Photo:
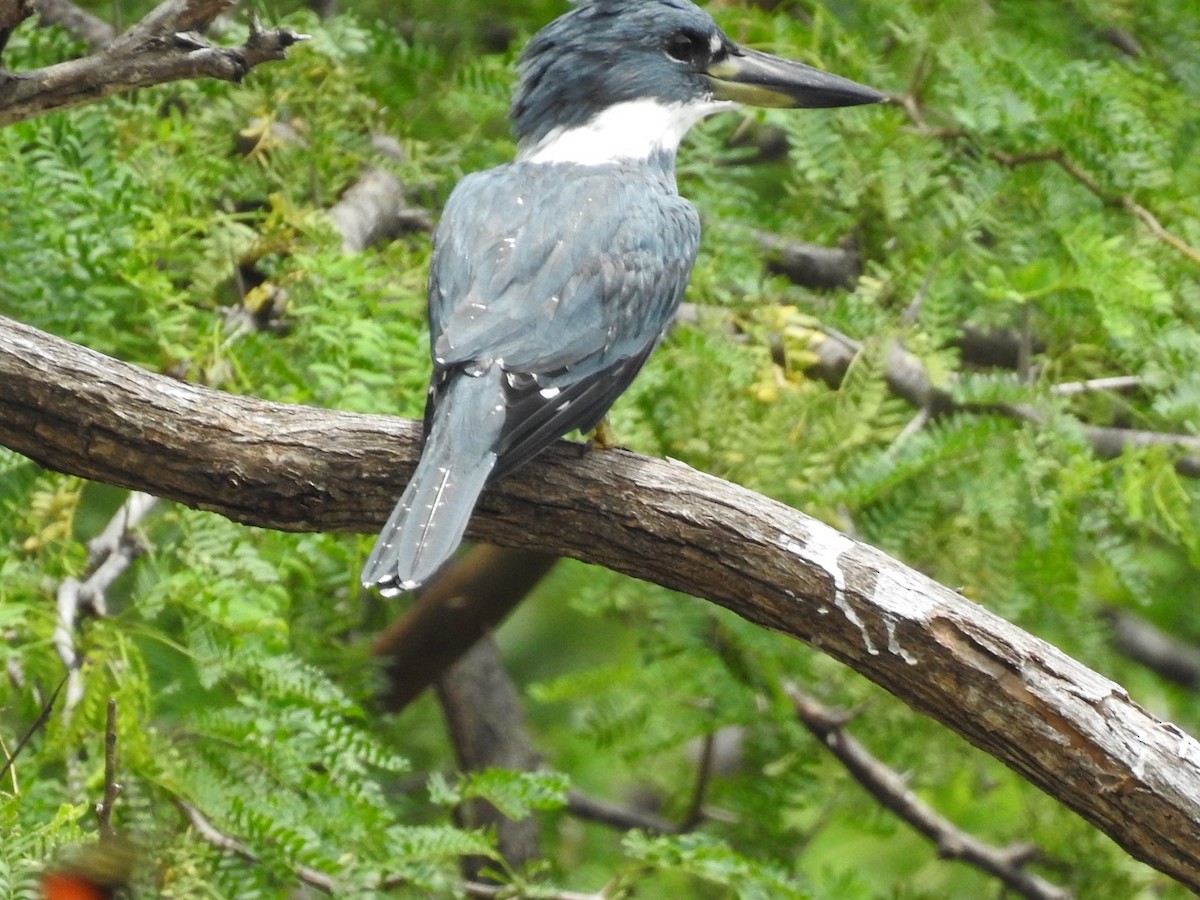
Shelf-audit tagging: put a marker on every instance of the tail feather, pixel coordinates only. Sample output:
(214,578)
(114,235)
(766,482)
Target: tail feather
(431,517)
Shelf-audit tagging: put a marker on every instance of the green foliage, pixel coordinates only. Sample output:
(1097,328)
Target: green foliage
(150,226)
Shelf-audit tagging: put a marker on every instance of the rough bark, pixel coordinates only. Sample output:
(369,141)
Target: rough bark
(1066,729)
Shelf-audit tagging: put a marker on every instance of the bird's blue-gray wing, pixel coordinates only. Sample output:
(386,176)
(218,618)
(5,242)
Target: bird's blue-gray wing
(567,278)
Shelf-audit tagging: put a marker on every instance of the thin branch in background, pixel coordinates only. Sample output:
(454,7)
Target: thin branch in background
(704,769)
(41,720)
(1153,648)
(907,378)
(97,33)
(113,550)
(209,833)
(711,750)
(1007,864)
(12,14)
(375,209)
(110,553)
(112,789)
(164,46)
(1059,157)
(622,818)
(1098,385)
(67,609)
(910,102)
(811,265)
(505,892)
(468,599)
(912,427)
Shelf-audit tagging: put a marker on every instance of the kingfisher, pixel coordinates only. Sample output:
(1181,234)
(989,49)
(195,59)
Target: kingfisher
(554,277)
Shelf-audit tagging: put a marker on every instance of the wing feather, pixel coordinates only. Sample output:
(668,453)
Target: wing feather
(567,277)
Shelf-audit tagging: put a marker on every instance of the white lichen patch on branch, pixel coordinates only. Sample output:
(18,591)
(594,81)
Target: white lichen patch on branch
(824,548)
(898,596)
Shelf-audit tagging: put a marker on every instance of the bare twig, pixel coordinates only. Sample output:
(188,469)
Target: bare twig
(505,892)
(626,818)
(112,789)
(996,348)
(1098,385)
(704,769)
(41,720)
(1155,649)
(1059,157)
(910,103)
(164,46)
(67,610)
(1156,228)
(812,265)
(907,378)
(212,835)
(209,833)
(886,786)
(622,818)
(112,551)
(81,23)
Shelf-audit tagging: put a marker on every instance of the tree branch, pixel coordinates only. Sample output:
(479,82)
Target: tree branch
(209,833)
(1158,651)
(460,606)
(112,788)
(907,378)
(1066,729)
(12,14)
(375,209)
(164,46)
(910,102)
(886,786)
(81,23)
(622,818)
(486,724)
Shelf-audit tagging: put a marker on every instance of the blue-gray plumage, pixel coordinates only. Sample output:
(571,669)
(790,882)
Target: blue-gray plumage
(554,277)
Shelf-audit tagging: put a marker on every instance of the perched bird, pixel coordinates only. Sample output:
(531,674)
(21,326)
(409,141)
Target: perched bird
(554,277)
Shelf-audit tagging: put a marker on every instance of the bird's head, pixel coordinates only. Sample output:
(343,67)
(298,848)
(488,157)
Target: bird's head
(615,79)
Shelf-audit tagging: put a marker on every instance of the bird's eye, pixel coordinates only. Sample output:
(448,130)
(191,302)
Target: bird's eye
(686,46)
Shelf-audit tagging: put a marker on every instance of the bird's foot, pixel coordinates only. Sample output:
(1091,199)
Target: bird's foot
(603,437)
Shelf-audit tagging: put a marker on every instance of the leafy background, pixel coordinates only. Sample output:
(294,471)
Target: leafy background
(145,226)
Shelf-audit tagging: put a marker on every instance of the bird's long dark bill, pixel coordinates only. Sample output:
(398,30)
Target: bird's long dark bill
(759,79)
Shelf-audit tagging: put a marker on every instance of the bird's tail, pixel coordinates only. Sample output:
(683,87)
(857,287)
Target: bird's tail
(431,517)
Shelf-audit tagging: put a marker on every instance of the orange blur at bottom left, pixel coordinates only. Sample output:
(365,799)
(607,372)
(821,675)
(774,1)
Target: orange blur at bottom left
(70,886)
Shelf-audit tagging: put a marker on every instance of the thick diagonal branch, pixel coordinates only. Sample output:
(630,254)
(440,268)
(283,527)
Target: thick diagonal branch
(1066,729)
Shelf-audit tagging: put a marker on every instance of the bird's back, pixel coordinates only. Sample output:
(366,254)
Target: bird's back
(567,275)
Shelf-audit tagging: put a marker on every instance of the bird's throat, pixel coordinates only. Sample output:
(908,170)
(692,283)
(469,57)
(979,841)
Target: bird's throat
(633,131)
